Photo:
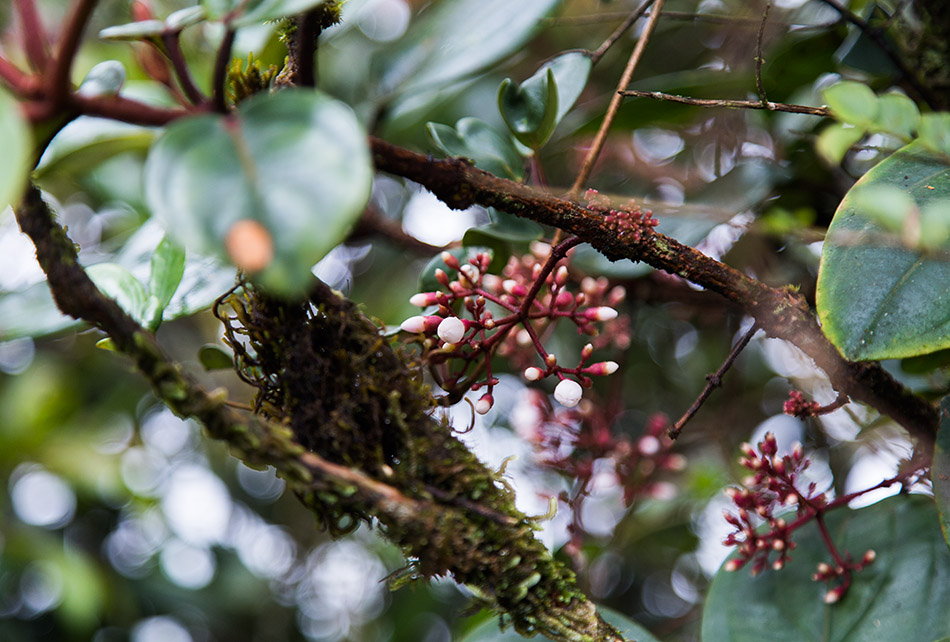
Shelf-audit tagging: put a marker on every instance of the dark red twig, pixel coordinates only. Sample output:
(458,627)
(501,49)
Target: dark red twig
(172,44)
(59,68)
(34,35)
(221,71)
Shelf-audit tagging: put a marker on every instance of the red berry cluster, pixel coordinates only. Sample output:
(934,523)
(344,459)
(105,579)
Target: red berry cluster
(531,294)
(629,222)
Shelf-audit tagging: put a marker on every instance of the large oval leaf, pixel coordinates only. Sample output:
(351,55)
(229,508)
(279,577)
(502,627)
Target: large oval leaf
(903,595)
(15,160)
(940,470)
(878,298)
(294,164)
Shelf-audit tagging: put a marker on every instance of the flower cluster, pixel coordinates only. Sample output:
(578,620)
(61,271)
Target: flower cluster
(629,222)
(478,314)
(796,406)
(771,486)
(579,444)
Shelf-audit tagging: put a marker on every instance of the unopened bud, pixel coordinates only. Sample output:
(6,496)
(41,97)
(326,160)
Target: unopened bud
(648,445)
(560,277)
(833,595)
(732,566)
(533,374)
(450,260)
(778,545)
(418,324)
(451,330)
(602,313)
(442,277)
(540,249)
(603,368)
(869,557)
(514,288)
(551,360)
(468,275)
(483,405)
(587,350)
(564,299)
(778,564)
(424,299)
(568,393)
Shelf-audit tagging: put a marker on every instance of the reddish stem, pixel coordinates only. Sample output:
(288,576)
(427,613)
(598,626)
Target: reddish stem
(177,57)
(58,70)
(221,71)
(17,80)
(34,35)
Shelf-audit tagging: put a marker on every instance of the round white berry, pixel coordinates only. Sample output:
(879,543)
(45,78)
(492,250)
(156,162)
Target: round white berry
(451,330)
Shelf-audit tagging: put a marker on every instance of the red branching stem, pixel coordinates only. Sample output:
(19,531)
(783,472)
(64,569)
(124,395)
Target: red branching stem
(59,68)
(221,71)
(17,80)
(125,110)
(34,35)
(172,43)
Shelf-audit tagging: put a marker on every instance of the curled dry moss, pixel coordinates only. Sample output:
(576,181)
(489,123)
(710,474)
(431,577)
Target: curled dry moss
(323,369)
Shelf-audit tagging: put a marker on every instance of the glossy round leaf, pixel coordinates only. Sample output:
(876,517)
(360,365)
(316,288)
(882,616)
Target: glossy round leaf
(168,266)
(877,298)
(897,114)
(118,283)
(571,71)
(903,595)
(475,139)
(295,162)
(835,140)
(15,160)
(852,102)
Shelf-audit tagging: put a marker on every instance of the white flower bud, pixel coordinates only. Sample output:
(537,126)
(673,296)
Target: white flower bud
(483,405)
(568,393)
(414,324)
(533,374)
(451,330)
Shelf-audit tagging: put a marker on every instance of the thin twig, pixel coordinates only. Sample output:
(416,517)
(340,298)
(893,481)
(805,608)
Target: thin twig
(689,16)
(615,101)
(34,35)
(221,71)
(57,77)
(758,54)
(877,36)
(713,381)
(619,31)
(17,80)
(729,104)
(172,43)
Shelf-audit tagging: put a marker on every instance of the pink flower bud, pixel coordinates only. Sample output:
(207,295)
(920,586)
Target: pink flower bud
(551,360)
(540,250)
(492,282)
(833,595)
(483,405)
(424,324)
(602,369)
(568,393)
(451,330)
(587,350)
(602,313)
(514,288)
(648,445)
(564,299)
(450,260)
(424,299)
(533,374)
(732,566)
(442,277)
(560,277)
(468,275)
(869,557)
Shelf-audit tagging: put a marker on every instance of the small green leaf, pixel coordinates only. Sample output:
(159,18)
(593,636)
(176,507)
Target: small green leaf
(940,470)
(898,115)
(571,71)
(242,13)
(902,595)
(258,166)
(475,139)
(105,79)
(214,357)
(888,205)
(186,17)
(118,283)
(835,140)
(15,159)
(877,298)
(141,30)
(86,142)
(530,110)
(852,102)
(935,132)
(168,266)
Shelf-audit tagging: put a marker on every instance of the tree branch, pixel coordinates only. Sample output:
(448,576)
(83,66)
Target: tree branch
(729,104)
(57,76)
(780,312)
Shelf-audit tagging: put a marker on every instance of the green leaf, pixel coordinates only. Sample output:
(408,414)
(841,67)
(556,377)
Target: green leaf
(852,102)
(214,357)
(168,266)
(897,114)
(118,283)
(935,132)
(31,312)
(186,17)
(141,30)
(15,159)
(888,205)
(489,630)
(457,38)
(940,470)
(86,142)
(427,280)
(877,298)
(295,162)
(530,110)
(571,71)
(475,139)
(242,13)
(903,595)
(835,140)
(105,79)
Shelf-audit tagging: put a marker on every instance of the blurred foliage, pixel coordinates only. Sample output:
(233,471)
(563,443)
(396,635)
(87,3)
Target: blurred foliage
(120,522)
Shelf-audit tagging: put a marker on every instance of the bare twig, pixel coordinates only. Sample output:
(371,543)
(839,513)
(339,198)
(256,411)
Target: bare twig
(688,16)
(619,31)
(729,104)
(34,35)
(59,68)
(713,381)
(17,80)
(758,54)
(615,101)
(221,71)
(172,43)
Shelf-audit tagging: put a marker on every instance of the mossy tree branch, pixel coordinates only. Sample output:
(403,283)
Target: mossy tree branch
(444,509)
